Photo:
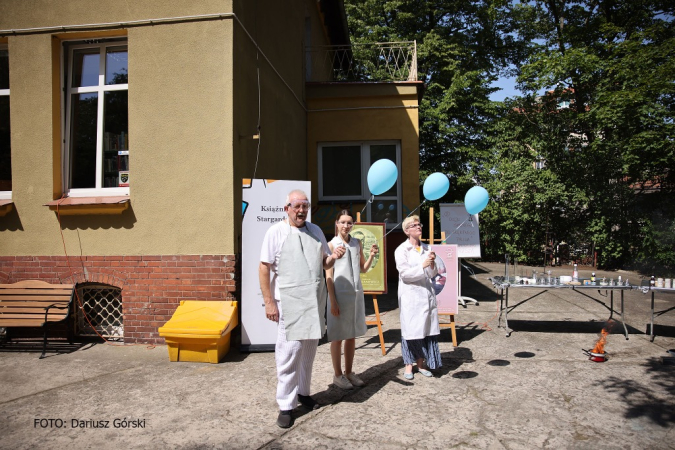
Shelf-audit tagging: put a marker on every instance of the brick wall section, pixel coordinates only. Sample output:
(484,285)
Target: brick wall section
(152,286)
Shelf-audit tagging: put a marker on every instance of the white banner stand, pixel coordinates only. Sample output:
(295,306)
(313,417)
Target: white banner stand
(263,206)
(462,229)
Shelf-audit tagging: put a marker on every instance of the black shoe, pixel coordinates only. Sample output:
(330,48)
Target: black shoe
(285,419)
(308,402)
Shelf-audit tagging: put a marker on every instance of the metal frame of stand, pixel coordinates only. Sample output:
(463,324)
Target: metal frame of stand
(462,299)
(659,313)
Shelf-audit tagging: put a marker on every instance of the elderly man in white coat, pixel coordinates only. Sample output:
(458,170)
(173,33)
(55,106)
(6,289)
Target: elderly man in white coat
(292,259)
(417,266)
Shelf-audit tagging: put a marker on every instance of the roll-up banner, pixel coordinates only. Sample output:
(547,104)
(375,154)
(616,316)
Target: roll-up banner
(262,207)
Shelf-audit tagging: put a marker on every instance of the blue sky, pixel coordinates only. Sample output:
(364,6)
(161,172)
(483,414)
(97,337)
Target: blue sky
(508,89)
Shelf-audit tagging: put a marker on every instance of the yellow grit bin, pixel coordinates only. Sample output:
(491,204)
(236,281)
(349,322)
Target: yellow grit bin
(199,331)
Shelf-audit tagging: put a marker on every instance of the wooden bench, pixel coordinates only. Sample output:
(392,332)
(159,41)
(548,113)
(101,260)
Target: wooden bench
(34,303)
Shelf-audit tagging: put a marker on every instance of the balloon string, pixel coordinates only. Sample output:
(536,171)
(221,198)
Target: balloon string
(389,231)
(402,220)
(423,201)
(369,201)
(470,219)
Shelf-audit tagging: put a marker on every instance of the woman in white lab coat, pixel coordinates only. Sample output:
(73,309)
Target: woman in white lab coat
(347,318)
(416,267)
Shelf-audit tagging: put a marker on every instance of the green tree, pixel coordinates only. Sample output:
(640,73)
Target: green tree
(585,155)
(605,126)
(531,205)
(461,46)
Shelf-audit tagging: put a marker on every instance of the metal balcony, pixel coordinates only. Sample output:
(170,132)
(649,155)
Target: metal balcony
(376,62)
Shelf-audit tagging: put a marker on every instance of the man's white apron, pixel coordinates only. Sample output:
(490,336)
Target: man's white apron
(302,286)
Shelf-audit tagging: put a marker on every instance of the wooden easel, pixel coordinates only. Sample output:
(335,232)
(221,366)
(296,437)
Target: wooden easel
(377,320)
(450,325)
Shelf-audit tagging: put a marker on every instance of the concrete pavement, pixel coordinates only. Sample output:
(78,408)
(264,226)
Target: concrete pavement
(534,389)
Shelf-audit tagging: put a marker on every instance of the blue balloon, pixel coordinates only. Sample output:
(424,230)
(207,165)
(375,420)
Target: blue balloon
(382,176)
(476,199)
(436,186)
(380,206)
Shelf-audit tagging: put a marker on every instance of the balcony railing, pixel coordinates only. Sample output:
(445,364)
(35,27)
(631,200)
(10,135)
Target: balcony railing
(382,61)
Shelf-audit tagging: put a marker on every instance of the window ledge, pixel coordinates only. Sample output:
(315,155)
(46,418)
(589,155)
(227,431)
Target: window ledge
(89,205)
(5,207)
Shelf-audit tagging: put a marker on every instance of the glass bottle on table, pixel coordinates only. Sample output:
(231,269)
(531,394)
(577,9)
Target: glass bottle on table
(575,273)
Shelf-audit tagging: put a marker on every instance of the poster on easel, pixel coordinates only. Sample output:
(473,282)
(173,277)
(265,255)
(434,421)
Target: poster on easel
(445,283)
(374,281)
(262,206)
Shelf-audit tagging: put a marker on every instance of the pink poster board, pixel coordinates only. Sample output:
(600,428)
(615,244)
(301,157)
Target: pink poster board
(445,283)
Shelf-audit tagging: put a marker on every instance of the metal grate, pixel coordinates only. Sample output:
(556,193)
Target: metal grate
(101,307)
(382,61)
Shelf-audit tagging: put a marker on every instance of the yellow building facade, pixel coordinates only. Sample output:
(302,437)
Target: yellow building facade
(131,126)
(364,122)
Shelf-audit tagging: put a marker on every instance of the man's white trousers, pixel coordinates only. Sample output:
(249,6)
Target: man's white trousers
(294,367)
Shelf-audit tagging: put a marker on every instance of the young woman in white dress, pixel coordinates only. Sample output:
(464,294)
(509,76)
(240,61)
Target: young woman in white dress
(347,318)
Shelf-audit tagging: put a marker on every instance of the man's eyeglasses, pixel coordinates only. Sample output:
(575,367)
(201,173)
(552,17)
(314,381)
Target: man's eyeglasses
(296,206)
(415,225)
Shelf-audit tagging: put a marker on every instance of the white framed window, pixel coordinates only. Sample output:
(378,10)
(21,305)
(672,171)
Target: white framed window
(343,177)
(5,135)
(96,148)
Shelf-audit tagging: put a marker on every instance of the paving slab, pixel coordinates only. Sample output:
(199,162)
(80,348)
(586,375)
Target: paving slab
(534,389)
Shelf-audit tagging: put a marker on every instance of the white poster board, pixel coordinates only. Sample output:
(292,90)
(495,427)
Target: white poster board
(460,230)
(263,206)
